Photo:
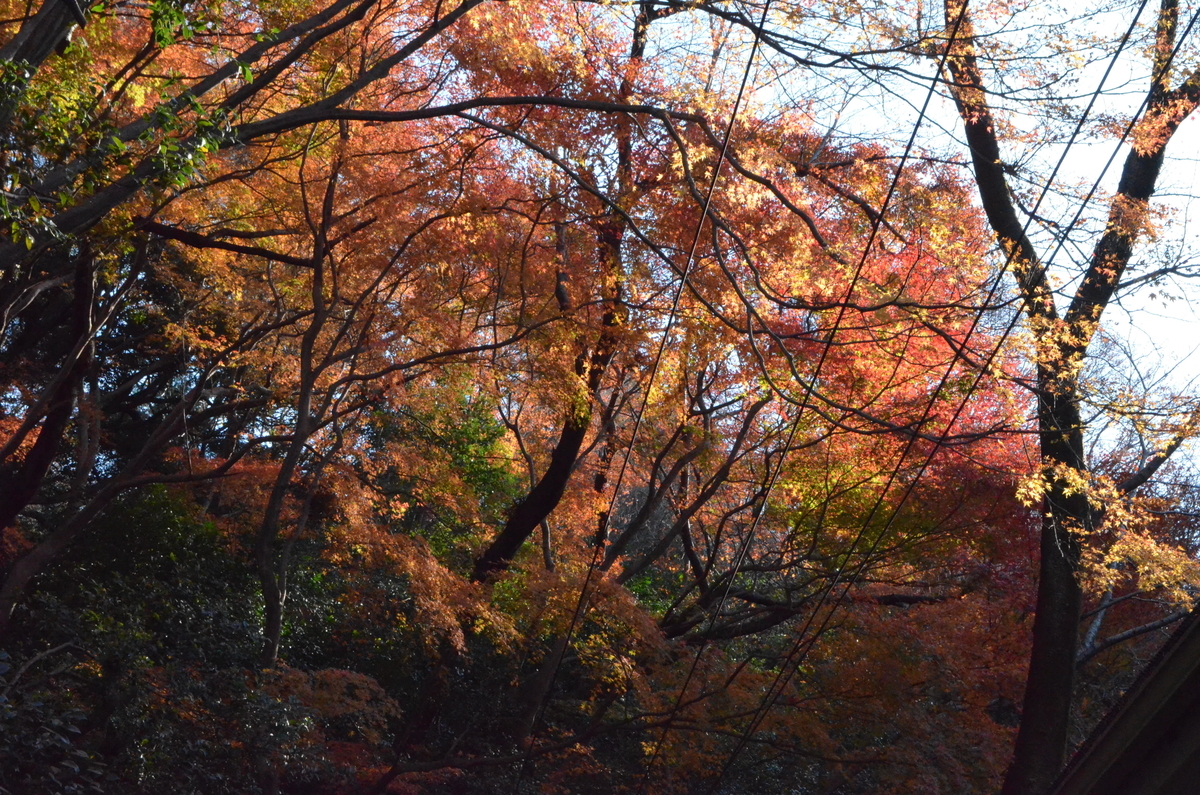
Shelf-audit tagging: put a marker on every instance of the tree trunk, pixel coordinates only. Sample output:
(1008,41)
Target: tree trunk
(19,482)
(530,512)
(1063,340)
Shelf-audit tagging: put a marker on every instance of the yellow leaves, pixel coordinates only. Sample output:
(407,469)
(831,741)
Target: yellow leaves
(1127,548)
(1152,132)
(612,670)
(1126,217)
(138,95)
(1031,488)
(1067,481)
(1137,559)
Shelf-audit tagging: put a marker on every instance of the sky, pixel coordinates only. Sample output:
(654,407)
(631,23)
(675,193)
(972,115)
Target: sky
(1151,336)
(1153,333)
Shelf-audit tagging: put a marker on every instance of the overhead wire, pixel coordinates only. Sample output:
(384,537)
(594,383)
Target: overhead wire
(790,666)
(912,485)
(809,386)
(602,533)
(683,282)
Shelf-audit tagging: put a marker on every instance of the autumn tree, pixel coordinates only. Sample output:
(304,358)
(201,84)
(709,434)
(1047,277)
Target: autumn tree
(344,305)
(1097,530)
(1063,331)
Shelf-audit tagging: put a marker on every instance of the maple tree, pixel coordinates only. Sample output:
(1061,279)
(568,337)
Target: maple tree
(401,396)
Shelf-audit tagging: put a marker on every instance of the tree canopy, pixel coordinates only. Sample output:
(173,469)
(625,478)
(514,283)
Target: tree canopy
(584,397)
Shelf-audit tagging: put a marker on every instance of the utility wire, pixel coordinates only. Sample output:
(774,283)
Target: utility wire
(602,533)
(789,666)
(809,387)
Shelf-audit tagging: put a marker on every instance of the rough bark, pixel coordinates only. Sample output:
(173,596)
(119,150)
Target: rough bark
(40,35)
(1062,343)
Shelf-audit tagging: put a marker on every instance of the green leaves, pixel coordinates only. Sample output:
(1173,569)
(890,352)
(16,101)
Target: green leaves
(41,729)
(169,22)
(180,160)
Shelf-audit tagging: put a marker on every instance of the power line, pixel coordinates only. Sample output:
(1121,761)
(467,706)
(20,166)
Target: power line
(602,533)
(810,385)
(789,666)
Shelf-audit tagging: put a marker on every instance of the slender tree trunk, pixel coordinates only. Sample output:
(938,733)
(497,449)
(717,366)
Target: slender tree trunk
(590,366)
(537,689)
(544,497)
(272,580)
(528,515)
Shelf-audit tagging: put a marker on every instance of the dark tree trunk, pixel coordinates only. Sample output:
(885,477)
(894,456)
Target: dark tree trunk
(1042,736)
(20,481)
(1063,340)
(529,513)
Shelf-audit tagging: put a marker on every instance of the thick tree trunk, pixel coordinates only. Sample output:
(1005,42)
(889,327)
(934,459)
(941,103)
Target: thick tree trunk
(20,481)
(1066,514)
(29,566)
(1063,340)
(41,34)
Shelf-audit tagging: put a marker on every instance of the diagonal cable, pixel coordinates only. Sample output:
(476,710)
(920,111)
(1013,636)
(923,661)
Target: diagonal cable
(789,666)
